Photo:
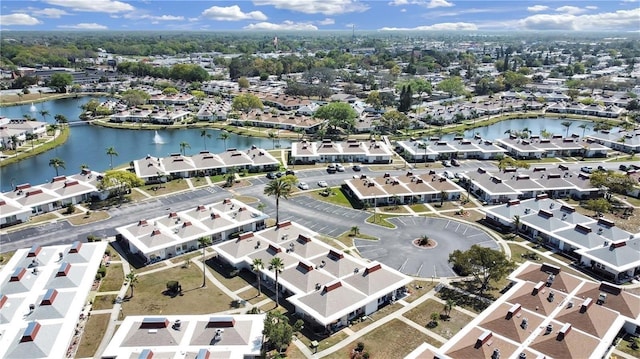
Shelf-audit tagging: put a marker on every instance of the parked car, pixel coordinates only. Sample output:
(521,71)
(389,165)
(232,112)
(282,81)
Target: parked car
(271,175)
(279,174)
(290,172)
(357,168)
(331,168)
(448,174)
(339,167)
(623,168)
(322,184)
(446,163)
(455,162)
(586,169)
(303,186)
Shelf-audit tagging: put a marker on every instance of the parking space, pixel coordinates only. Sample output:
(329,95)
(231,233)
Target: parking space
(396,249)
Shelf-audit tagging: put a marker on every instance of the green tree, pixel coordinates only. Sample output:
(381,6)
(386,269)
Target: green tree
(60,80)
(56,163)
(111,151)
(444,195)
(170,91)
(204,242)
(44,114)
(61,120)
(616,182)
(277,330)
(516,224)
(132,280)
(224,136)
(243,82)
(257,266)
(484,264)
(567,124)
(355,230)
(394,120)
(452,85)
(119,181)
(448,306)
(584,127)
(204,134)
(277,265)
(30,137)
(134,97)
(337,114)
(598,205)
(246,103)
(183,147)
(374,100)
(279,188)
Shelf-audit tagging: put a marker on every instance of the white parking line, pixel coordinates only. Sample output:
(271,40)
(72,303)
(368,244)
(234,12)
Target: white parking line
(475,235)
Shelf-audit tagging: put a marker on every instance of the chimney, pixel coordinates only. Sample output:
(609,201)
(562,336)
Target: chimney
(483,338)
(513,310)
(585,305)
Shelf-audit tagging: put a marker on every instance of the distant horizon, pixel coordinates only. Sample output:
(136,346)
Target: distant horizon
(466,16)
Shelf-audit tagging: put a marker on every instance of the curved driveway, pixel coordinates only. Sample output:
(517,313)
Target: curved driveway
(395,248)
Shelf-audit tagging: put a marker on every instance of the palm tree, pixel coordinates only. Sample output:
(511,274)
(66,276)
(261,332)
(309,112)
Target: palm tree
(111,151)
(204,242)
(52,128)
(44,114)
(277,265)
(444,195)
(56,163)
(355,230)
(28,117)
(183,146)
(14,141)
(273,136)
(567,124)
(584,127)
(278,188)
(224,136)
(204,134)
(61,119)
(256,266)
(516,224)
(132,280)
(448,306)
(31,137)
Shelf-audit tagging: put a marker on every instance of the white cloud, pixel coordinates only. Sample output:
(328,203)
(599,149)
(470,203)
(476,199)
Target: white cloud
(572,10)
(232,13)
(591,7)
(285,25)
(108,6)
(326,7)
(50,13)
(327,21)
(537,8)
(445,26)
(438,3)
(84,26)
(403,10)
(155,19)
(621,20)
(18,19)
(430,4)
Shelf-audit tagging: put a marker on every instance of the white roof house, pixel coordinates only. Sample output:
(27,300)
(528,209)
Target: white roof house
(327,286)
(188,336)
(44,292)
(343,151)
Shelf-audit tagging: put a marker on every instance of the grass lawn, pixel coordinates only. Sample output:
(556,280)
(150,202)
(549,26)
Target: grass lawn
(294,353)
(325,343)
(419,288)
(6,256)
(250,295)
(166,188)
(632,200)
(446,328)
(103,301)
(136,196)
(43,218)
(393,209)
(246,199)
(149,297)
(517,254)
(188,256)
(150,267)
(419,207)
(446,205)
(222,273)
(392,340)
(346,238)
(625,346)
(114,278)
(470,216)
(376,316)
(95,216)
(337,197)
(381,220)
(92,336)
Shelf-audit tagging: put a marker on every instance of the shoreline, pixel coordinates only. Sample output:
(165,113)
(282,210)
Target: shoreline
(57,141)
(52,97)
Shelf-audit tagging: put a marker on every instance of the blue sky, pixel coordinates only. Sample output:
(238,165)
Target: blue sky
(282,15)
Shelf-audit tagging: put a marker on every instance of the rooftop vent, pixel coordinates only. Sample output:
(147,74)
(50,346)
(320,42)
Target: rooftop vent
(17,275)
(513,310)
(483,338)
(370,270)
(75,247)
(221,322)
(49,297)
(34,251)
(566,328)
(244,236)
(330,287)
(30,333)
(585,305)
(146,354)
(154,323)
(335,255)
(64,269)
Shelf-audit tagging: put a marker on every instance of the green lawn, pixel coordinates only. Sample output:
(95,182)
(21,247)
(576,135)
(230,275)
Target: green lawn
(336,197)
(392,340)
(103,301)
(150,298)
(166,188)
(381,220)
(446,328)
(419,207)
(114,278)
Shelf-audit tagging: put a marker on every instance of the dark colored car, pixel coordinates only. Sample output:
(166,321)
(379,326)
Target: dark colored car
(623,168)
(271,175)
(290,172)
(357,168)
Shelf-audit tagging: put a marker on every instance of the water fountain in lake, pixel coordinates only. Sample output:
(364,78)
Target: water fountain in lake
(32,108)
(157,139)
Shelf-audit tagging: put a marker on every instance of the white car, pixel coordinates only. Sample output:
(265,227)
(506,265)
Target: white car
(322,184)
(586,169)
(339,167)
(303,186)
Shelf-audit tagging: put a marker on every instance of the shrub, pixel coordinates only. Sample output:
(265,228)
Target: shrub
(102,271)
(360,346)
(70,208)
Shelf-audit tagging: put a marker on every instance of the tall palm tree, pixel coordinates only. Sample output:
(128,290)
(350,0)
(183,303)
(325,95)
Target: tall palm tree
(277,265)
(584,127)
(111,151)
(224,136)
(278,188)
(132,280)
(56,163)
(448,306)
(567,124)
(273,136)
(52,128)
(257,266)
(204,242)
(14,141)
(183,146)
(444,195)
(31,137)
(204,134)
(516,224)
(61,119)
(44,114)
